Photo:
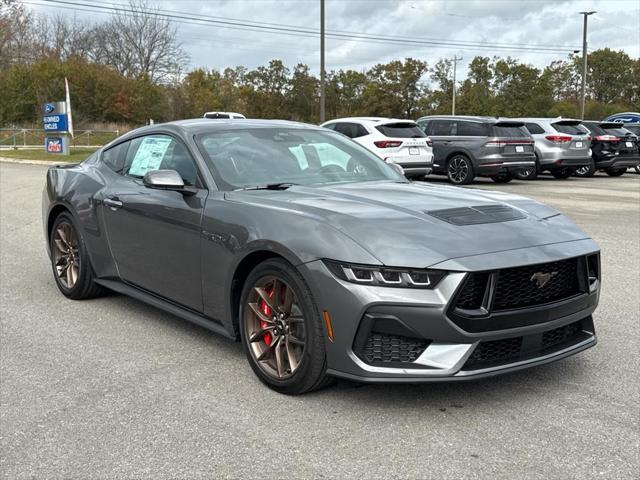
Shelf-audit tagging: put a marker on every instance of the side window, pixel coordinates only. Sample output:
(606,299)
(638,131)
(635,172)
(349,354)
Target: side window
(115,156)
(472,129)
(331,126)
(534,128)
(351,130)
(442,127)
(360,131)
(160,152)
(425,125)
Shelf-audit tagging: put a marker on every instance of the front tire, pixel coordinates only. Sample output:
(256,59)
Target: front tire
(586,171)
(615,172)
(460,170)
(72,269)
(280,329)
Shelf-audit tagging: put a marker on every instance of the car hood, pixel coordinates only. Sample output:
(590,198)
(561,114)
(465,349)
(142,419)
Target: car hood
(419,224)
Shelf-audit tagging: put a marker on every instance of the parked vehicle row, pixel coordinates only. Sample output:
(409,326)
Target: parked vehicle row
(465,147)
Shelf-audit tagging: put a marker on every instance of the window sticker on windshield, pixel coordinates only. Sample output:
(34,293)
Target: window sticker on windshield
(149,155)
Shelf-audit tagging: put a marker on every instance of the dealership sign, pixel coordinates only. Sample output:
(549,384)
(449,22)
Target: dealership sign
(56,145)
(55,117)
(626,117)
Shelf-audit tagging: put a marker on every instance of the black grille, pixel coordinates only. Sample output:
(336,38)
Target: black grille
(536,284)
(495,351)
(385,348)
(472,293)
(560,335)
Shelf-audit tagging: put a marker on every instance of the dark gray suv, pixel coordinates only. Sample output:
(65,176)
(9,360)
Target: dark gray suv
(465,147)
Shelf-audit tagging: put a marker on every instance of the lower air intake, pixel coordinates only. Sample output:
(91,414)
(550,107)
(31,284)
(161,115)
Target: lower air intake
(385,348)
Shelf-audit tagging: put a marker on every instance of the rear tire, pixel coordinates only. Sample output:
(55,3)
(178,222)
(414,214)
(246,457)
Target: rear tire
(504,177)
(460,170)
(563,173)
(284,340)
(586,171)
(70,262)
(529,173)
(615,172)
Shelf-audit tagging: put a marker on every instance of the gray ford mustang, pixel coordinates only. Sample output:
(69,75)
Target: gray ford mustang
(322,259)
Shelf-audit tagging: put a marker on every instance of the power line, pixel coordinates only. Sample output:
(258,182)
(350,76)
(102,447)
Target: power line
(299,31)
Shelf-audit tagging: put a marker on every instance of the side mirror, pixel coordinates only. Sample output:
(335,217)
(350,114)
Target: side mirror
(166,180)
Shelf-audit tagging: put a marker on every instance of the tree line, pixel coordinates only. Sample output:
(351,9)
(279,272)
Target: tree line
(130,68)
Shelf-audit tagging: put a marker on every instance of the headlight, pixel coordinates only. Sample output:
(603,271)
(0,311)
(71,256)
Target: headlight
(385,276)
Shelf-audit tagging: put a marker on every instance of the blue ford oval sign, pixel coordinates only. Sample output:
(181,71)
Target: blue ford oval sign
(625,117)
(49,107)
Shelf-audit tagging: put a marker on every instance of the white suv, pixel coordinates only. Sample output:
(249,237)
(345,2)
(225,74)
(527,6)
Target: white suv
(227,115)
(395,141)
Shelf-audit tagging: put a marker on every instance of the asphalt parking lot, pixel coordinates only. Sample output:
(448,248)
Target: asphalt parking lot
(113,388)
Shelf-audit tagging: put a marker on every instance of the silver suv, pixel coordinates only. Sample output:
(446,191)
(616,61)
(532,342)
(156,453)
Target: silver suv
(465,147)
(561,147)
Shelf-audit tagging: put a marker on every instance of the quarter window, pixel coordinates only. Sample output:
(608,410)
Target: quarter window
(471,129)
(115,156)
(534,128)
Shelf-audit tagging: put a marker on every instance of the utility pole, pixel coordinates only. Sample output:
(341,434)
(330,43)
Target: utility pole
(322,79)
(453,101)
(584,61)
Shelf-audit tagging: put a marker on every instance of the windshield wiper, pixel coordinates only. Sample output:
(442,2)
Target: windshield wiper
(270,186)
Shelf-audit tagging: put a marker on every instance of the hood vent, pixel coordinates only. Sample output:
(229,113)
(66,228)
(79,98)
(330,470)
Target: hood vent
(478,215)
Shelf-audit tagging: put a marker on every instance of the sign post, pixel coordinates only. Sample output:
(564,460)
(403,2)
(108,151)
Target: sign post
(56,121)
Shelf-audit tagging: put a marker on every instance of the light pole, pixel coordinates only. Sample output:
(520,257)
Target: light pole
(322,80)
(584,61)
(453,100)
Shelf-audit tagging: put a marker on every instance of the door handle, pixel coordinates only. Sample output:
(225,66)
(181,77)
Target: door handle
(112,203)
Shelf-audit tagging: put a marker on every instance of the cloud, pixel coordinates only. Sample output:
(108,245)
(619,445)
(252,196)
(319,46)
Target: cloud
(511,22)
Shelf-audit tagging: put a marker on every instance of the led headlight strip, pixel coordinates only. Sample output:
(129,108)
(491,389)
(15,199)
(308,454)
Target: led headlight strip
(385,276)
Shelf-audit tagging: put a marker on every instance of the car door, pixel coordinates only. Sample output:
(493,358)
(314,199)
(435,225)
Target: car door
(441,133)
(154,235)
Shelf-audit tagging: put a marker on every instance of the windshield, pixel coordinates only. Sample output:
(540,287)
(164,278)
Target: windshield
(254,157)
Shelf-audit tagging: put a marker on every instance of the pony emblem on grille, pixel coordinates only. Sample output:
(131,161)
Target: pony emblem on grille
(542,278)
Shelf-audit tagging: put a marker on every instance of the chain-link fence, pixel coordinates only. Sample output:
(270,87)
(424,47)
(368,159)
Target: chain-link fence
(33,138)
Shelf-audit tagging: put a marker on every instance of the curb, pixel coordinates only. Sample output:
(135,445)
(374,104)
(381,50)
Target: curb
(34,162)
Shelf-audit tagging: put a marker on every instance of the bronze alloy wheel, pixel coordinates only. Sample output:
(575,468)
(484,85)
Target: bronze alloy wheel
(274,327)
(66,256)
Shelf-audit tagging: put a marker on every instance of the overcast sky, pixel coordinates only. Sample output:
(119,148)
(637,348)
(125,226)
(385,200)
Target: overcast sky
(550,24)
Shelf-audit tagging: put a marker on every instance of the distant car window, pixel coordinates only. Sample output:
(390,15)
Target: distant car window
(361,131)
(534,128)
(633,128)
(617,131)
(568,129)
(594,129)
(160,152)
(115,156)
(401,130)
(216,115)
(331,126)
(442,127)
(348,129)
(425,125)
(510,131)
(472,129)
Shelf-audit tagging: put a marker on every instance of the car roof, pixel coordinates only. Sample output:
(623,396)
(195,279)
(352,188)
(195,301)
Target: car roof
(547,119)
(373,121)
(476,118)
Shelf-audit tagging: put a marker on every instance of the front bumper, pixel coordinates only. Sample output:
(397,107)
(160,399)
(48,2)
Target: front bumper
(451,352)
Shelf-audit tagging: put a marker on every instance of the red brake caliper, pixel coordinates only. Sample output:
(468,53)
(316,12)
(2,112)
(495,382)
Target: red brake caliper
(267,311)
